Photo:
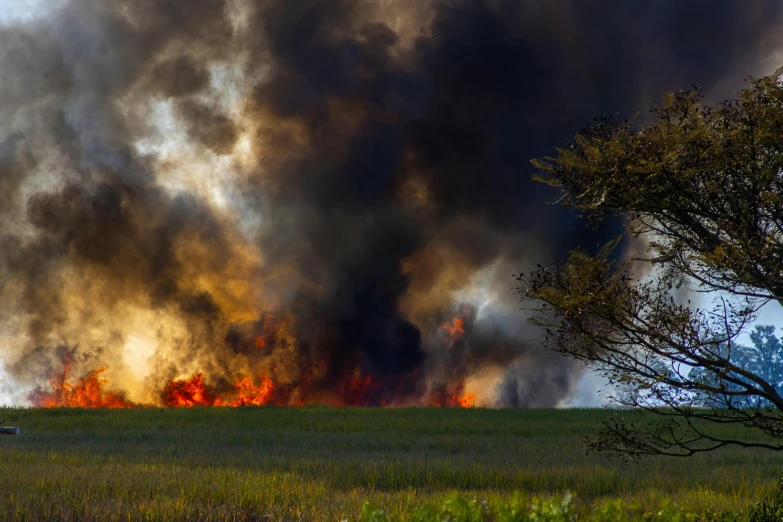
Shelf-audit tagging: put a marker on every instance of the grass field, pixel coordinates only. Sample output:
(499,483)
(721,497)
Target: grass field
(323,464)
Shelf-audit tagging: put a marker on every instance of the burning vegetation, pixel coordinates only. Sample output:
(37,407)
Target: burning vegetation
(90,392)
(356,389)
(231,202)
(87,392)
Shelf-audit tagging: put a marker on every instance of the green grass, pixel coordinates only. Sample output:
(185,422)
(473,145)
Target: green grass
(323,464)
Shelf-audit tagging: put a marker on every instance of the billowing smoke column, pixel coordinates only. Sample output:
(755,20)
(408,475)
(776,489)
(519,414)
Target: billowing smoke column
(241,202)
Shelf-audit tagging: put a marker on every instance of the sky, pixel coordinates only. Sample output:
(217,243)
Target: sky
(15,11)
(770,314)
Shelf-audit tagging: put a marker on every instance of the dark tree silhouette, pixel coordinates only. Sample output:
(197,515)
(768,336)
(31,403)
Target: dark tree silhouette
(703,187)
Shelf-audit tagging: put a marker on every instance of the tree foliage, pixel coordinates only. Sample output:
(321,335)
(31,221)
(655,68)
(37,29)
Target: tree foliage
(702,187)
(764,358)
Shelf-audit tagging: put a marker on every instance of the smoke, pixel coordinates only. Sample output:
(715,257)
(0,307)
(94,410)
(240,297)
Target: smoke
(314,190)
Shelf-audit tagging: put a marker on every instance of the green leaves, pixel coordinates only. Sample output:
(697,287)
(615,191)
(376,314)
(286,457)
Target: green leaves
(703,185)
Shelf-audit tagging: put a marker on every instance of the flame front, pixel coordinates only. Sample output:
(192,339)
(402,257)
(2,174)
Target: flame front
(91,391)
(278,378)
(189,392)
(248,394)
(194,392)
(88,392)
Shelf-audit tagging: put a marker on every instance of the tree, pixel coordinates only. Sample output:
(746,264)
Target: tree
(764,358)
(703,186)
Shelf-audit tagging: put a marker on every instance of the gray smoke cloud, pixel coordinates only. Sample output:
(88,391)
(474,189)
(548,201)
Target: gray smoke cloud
(315,190)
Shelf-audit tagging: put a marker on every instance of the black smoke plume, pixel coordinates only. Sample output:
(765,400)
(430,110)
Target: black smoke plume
(175,177)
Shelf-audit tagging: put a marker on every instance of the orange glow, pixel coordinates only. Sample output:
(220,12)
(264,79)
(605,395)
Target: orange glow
(280,376)
(194,392)
(188,393)
(357,389)
(251,395)
(87,393)
(272,329)
(455,329)
(467,401)
(456,398)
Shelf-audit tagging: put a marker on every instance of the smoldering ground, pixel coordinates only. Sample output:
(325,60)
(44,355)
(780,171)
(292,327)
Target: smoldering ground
(177,176)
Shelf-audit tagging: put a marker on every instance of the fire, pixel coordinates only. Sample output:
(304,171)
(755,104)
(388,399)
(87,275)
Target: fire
(284,381)
(357,390)
(248,394)
(455,329)
(272,329)
(455,398)
(88,392)
(454,333)
(467,401)
(194,392)
(190,392)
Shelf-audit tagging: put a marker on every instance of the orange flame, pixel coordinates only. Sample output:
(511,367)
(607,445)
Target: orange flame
(87,393)
(455,329)
(300,382)
(271,330)
(456,398)
(194,392)
(357,389)
(251,395)
(467,401)
(188,393)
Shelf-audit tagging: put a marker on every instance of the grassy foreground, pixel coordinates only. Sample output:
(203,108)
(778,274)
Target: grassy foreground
(323,464)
